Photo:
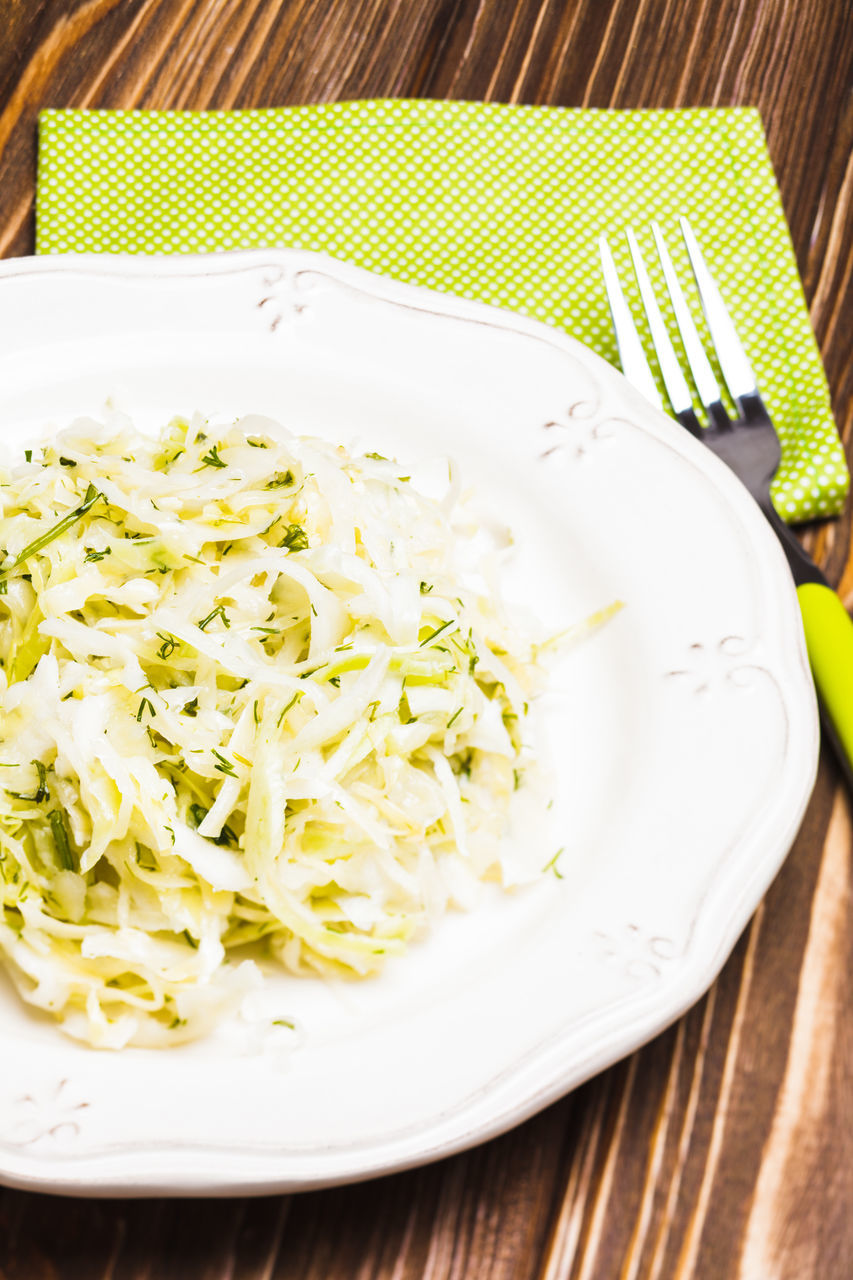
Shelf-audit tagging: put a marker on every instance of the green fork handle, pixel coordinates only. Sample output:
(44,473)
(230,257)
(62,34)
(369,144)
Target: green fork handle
(829,641)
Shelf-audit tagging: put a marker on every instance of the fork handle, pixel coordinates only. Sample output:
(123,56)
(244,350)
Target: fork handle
(829,642)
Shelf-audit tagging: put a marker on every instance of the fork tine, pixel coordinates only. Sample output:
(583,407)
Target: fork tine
(700,367)
(673,379)
(631,356)
(734,364)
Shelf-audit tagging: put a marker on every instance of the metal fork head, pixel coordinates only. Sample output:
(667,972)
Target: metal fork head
(755,455)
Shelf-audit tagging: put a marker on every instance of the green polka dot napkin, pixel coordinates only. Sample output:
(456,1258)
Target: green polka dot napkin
(499,203)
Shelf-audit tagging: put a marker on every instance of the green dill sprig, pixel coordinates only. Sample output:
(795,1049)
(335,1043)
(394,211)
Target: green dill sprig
(218,612)
(438,631)
(551,865)
(212,458)
(281,480)
(60,840)
(224,766)
(226,837)
(56,531)
(146,702)
(168,647)
(290,704)
(41,793)
(295,539)
(198,813)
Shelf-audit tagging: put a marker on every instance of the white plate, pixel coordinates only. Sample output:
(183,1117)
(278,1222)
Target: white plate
(684,734)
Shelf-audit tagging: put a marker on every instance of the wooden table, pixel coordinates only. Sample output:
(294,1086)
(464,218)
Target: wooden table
(725,1147)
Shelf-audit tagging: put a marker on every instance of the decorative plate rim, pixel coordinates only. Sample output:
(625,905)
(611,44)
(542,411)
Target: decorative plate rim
(134,1169)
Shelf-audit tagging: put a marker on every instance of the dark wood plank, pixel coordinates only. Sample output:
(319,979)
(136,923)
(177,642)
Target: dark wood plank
(723,1148)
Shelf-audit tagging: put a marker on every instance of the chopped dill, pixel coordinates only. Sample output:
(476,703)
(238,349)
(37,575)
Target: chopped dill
(167,648)
(433,634)
(293,700)
(281,480)
(56,531)
(212,458)
(60,840)
(224,766)
(226,837)
(218,612)
(552,864)
(41,792)
(295,539)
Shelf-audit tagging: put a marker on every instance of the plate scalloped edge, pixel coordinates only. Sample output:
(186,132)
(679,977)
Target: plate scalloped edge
(286,284)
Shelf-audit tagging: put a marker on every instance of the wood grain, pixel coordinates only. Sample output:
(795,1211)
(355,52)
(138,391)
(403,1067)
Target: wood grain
(725,1147)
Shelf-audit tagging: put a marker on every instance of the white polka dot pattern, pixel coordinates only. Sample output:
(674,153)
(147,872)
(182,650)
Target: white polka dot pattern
(499,203)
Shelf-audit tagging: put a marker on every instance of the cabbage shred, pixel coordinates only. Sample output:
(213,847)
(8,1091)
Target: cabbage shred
(250,702)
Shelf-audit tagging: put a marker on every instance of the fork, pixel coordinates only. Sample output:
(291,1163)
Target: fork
(748,443)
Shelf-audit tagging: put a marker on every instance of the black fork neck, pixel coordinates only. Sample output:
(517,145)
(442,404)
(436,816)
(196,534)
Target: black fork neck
(803,568)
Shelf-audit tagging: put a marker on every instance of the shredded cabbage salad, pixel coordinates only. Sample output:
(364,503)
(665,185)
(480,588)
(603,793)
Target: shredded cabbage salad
(252,699)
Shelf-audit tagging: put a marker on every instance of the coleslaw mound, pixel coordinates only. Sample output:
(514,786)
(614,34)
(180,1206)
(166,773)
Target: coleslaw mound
(252,695)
